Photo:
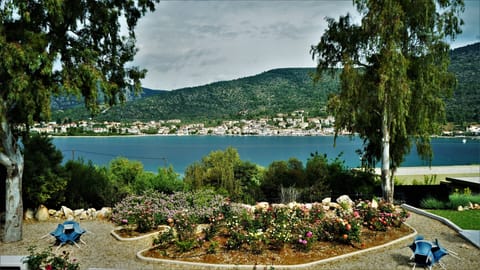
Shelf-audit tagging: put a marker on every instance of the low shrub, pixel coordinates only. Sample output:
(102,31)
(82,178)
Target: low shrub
(464,198)
(38,260)
(432,203)
(273,228)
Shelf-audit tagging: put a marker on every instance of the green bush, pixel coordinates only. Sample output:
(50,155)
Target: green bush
(166,180)
(88,186)
(464,198)
(432,203)
(44,179)
(48,260)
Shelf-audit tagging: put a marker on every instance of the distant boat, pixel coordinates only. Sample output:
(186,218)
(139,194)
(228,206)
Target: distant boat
(464,141)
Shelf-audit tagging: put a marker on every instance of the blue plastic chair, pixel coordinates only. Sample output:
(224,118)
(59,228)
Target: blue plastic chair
(68,233)
(423,255)
(426,253)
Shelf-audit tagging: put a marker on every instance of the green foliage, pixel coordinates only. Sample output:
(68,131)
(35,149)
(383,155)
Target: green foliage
(48,260)
(60,47)
(430,180)
(464,198)
(266,94)
(88,186)
(432,203)
(44,180)
(166,180)
(273,228)
(224,172)
(319,179)
(462,107)
(403,80)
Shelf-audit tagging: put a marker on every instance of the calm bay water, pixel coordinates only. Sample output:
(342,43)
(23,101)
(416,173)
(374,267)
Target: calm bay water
(181,151)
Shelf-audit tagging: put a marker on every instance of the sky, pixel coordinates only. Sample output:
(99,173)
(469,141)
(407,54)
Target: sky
(192,43)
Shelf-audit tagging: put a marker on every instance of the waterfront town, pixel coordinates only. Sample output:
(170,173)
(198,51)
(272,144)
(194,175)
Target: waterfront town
(294,124)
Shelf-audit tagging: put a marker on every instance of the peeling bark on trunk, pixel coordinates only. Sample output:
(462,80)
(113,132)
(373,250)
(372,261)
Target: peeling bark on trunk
(387,183)
(12,159)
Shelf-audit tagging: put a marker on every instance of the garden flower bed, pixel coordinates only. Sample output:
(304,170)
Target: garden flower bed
(221,232)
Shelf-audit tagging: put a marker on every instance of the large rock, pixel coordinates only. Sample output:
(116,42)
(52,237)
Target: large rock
(42,213)
(344,199)
(77,212)
(67,212)
(28,215)
(104,213)
(327,200)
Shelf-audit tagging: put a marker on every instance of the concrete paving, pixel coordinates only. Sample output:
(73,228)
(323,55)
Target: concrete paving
(473,236)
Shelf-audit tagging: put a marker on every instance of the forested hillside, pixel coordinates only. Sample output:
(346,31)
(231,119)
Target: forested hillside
(276,91)
(464,107)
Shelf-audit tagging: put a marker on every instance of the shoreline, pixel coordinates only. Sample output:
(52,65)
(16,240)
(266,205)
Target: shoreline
(444,169)
(473,137)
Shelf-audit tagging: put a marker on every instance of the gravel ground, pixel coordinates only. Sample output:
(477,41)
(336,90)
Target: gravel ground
(103,251)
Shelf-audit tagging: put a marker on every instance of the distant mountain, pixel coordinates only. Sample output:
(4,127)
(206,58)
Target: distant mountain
(276,91)
(464,106)
(71,101)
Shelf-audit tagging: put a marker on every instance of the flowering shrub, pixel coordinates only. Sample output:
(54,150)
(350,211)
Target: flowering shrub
(381,216)
(344,228)
(145,212)
(49,261)
(252,229)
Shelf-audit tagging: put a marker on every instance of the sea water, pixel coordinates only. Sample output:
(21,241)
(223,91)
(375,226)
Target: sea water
(181,151)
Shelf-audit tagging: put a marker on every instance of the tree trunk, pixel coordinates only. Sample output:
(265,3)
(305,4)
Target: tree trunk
(12,159)
(387,181)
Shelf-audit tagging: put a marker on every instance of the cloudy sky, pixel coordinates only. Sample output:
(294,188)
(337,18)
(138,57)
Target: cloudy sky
(191,43)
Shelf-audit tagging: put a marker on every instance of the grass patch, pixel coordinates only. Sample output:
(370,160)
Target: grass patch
(467,220)
(420,179)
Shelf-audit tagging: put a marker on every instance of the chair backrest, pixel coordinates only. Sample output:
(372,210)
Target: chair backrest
(438,251)
(58,231)
(423,253)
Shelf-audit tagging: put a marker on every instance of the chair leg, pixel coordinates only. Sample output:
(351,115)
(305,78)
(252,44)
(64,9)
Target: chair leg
(76,244)
(59,246)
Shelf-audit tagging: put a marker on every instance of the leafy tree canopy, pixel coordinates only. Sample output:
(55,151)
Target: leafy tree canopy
(395,75)
(50,47)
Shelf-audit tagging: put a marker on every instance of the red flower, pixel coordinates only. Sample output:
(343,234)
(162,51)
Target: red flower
(48,267)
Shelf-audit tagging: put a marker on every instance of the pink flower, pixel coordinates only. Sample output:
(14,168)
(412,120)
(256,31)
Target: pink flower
(356,214)
(309,234)
(124,221)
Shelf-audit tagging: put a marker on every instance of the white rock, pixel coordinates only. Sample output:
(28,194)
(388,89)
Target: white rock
(327,200)
(374,204)
(261,205)
(104,213)
(460,208)
(42,213)
(67,212)
(83,215)
(344,199)
(58,214)
(52,212)
(77,212)
(28,214)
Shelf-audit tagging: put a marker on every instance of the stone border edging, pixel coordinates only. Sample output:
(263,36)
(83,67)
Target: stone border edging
(430,215)
(119,238)
(441,219)
(294,266)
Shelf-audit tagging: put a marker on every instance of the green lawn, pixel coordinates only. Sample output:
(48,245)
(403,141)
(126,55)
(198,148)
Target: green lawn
(467,220)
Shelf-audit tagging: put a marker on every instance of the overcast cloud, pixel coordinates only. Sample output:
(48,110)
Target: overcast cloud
(191,43)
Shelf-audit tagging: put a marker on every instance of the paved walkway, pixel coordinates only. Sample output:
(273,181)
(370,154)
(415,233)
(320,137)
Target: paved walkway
(473,236)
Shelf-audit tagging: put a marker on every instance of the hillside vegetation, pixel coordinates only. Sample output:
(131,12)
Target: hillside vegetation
(275,91)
